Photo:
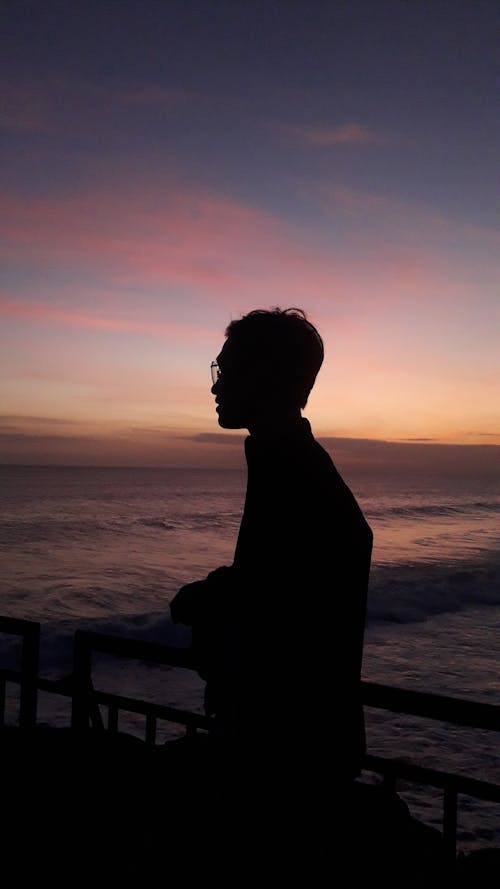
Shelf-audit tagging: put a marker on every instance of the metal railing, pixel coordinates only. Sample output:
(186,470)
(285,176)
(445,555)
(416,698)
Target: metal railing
(87,701)
(29,632)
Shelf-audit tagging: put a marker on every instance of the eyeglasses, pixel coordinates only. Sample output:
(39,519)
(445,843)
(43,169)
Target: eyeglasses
(216,372)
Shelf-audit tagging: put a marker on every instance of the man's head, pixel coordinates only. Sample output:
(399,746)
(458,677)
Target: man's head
(268,366)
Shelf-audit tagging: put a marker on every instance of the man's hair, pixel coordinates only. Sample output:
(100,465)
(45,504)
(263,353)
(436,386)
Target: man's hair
(285,345)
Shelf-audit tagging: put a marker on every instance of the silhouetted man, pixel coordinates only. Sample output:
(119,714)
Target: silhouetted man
(278,635)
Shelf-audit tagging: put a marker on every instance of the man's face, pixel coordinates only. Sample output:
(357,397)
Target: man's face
(236,390)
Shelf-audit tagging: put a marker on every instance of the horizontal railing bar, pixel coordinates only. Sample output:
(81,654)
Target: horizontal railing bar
(433,777)
(474,714)
(54,686)
(460,711)
(148,708)
(17,626)
(134,705)
(392,767)
(121,646)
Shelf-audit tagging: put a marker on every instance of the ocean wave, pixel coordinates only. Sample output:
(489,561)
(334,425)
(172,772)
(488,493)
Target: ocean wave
(433,509)
(157,523)
(57,530)
(194,521)
(61,530)
(416,592)
(402,594)
(57,637)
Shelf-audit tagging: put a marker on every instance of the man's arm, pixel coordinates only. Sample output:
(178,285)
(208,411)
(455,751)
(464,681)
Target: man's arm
(195,600)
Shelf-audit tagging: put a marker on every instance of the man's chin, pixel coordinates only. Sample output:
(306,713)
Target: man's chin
(230,422)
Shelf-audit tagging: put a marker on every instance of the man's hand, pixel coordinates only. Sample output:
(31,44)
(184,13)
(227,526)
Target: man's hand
(198,600)
(185,604)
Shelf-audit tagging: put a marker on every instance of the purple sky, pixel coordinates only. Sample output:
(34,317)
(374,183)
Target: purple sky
(168,166)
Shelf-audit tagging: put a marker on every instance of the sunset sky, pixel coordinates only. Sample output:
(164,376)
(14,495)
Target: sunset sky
(168,166)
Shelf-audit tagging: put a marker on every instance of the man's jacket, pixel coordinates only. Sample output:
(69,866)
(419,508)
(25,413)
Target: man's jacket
(278,635)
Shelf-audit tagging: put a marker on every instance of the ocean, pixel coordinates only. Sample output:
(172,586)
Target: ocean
(107,549)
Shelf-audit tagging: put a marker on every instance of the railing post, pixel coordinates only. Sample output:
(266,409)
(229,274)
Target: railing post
(82,682)
(29,670)
(2,702)
(112,718)
(150,729)
(450,805)
(29,631)
(390,782)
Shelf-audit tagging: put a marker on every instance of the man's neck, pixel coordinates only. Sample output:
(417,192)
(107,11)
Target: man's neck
(267,426)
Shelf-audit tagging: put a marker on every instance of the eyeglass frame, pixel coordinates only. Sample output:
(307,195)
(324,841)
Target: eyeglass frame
(215,372)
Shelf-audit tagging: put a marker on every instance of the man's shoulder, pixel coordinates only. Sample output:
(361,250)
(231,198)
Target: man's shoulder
(330,485)
(317,457)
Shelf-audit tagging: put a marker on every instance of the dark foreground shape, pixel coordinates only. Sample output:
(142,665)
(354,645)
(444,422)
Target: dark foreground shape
(71,803)
(88,804)
(478,869)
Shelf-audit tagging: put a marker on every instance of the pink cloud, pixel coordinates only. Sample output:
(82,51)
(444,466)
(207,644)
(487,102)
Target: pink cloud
(361,204)
(152,238)
(54,104)
(348,133)
(152,96)
(47,314)
(159,236)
